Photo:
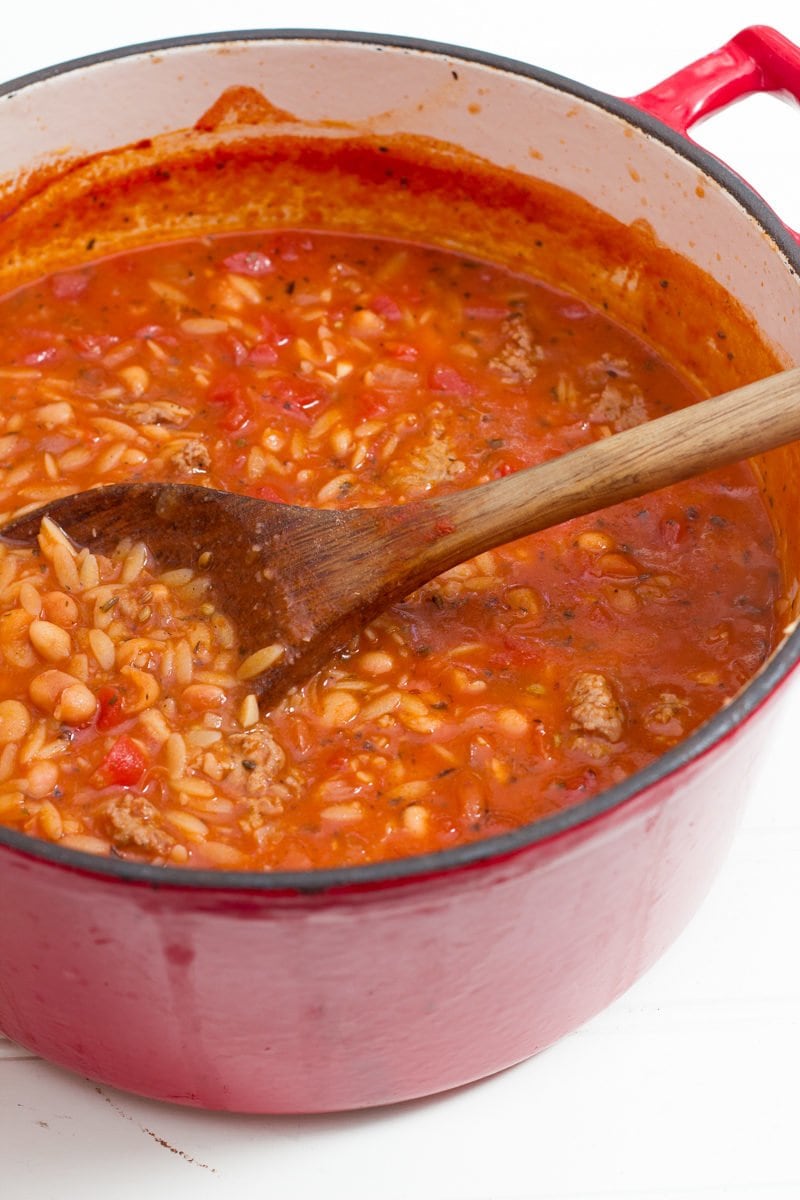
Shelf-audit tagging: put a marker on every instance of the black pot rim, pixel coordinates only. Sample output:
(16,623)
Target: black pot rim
(417,867)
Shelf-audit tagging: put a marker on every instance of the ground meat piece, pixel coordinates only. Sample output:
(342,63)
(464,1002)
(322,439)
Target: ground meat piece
(261,809)
(667,707)
(157,412)
(192,458)
(431,462)
(593,747)
(255,762)
(593,707)
(597,374)
(618,407)
(250,781)
(516,359)
(664,716)
(131,821)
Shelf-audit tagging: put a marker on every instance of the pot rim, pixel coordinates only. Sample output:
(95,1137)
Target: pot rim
(716,730)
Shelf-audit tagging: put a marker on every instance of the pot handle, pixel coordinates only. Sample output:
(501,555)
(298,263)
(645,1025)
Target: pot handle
(759,59)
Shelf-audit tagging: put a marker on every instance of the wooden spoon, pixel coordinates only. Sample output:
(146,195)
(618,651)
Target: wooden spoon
(303,581)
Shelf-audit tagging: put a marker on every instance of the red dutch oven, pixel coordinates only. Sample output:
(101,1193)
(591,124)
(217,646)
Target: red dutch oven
(337,989)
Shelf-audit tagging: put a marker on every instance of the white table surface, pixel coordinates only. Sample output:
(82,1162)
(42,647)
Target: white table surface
(687,1087)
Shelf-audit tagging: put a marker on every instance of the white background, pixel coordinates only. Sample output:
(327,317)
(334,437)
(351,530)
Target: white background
(688,1086)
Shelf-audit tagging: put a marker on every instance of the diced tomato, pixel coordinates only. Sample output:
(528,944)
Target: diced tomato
(249,262)
(403,351)
(274,334)
(575,311)
(263,354)
(155,333)
(69,285)
(36,357)
(265,492)
(124,764)
(294,394)
(111,707)
(274,330)
(385,306)
(95,345)
(373,402)
(229,395)
(238,350)
(291,245)
(444,378)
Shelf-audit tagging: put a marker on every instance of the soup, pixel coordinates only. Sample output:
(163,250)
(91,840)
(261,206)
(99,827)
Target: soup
(335,370)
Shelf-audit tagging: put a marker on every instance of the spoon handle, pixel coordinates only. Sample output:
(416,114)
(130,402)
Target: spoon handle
(711,433)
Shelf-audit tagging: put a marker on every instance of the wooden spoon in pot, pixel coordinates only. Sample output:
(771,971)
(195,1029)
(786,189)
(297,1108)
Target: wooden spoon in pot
(300,582)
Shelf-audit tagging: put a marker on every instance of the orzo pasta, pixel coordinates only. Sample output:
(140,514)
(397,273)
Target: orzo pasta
(338,371)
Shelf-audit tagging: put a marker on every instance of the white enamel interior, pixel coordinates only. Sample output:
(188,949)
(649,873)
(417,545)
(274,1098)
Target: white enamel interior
(501,116)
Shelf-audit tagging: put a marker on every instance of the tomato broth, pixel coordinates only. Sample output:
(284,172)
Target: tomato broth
(336,370)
